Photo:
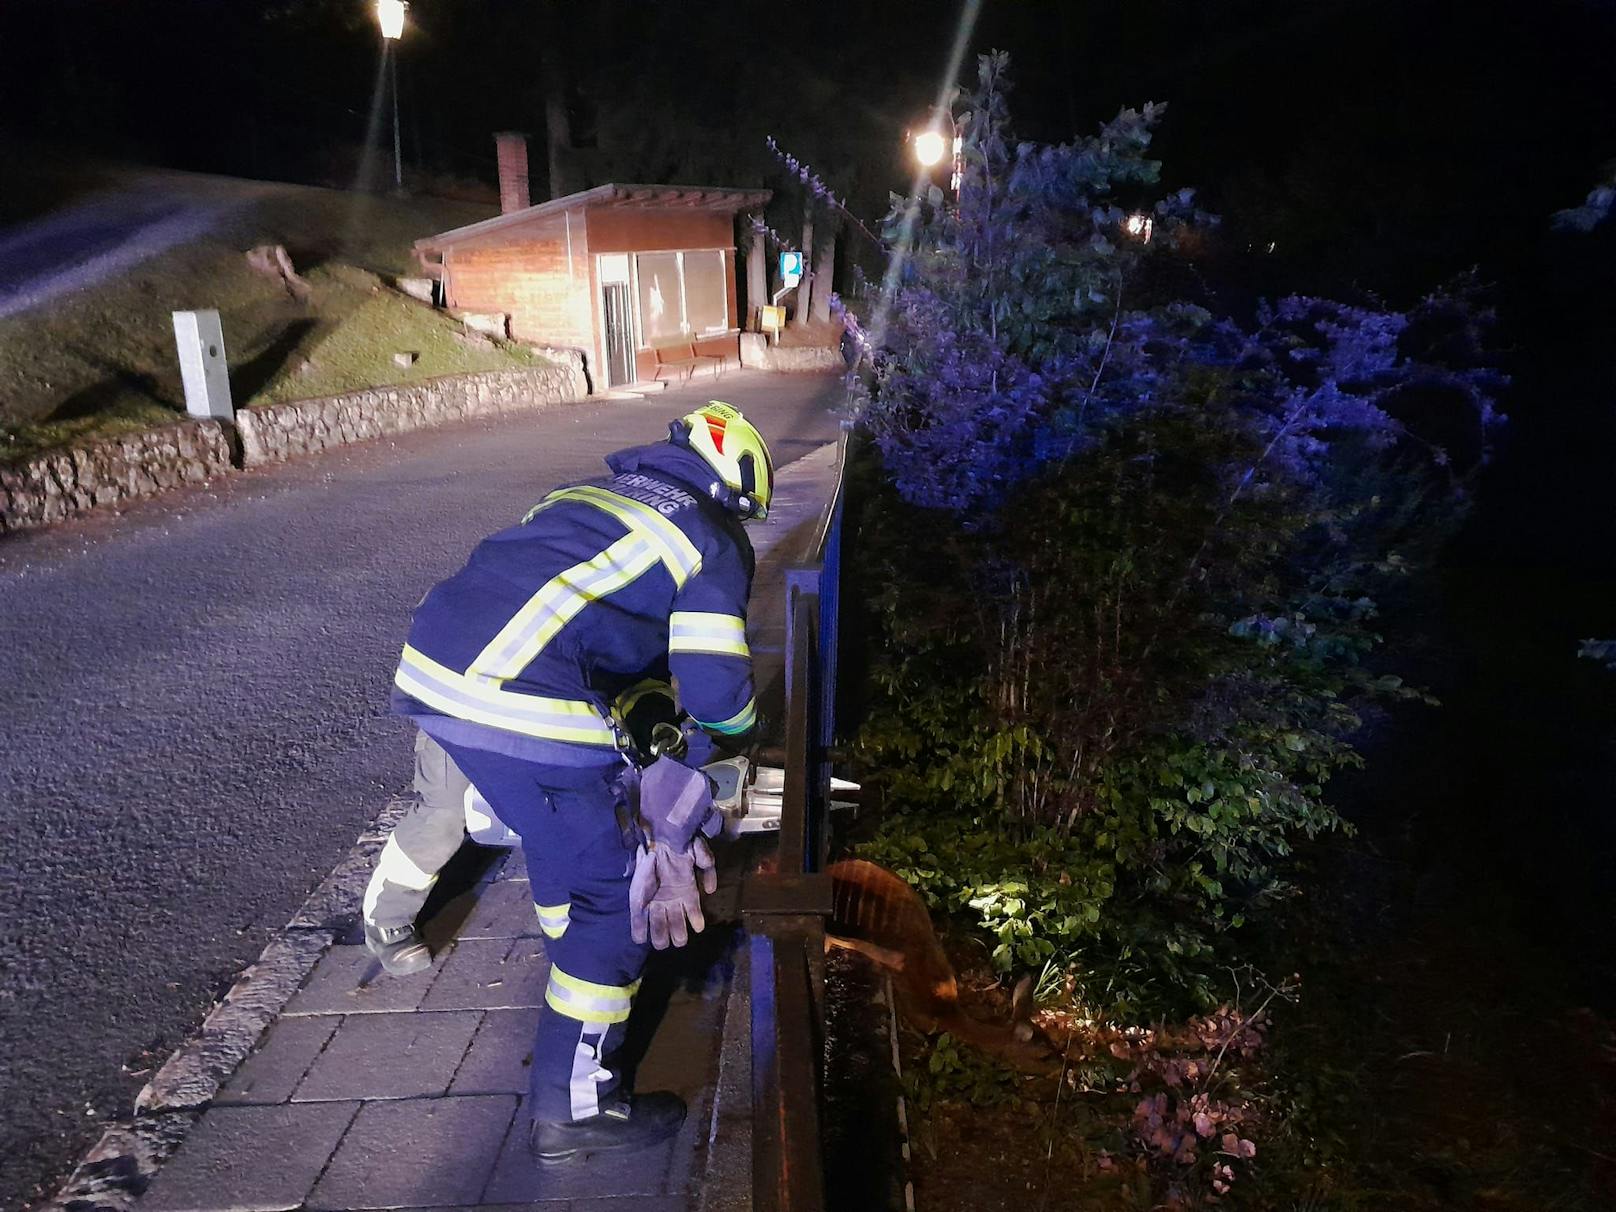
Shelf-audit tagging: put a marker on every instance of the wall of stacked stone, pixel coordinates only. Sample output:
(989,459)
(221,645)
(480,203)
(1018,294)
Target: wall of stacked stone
(55,486)
(285,431)
(758,354)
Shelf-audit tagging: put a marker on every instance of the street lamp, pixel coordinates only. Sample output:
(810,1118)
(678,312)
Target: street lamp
(931,145)
(929,148)
(390,16)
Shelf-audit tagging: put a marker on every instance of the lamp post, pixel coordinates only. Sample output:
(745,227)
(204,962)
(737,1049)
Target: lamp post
(390,16)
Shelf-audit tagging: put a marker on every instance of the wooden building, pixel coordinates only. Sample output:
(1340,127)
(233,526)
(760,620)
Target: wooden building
(618,271)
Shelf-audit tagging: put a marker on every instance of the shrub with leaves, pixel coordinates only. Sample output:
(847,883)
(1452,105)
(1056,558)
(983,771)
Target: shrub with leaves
(1125,554)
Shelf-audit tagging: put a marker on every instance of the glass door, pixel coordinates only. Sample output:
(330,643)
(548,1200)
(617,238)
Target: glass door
(614,306)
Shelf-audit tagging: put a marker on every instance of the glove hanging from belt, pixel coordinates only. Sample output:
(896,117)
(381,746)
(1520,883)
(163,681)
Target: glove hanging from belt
(677,815)
(663,897)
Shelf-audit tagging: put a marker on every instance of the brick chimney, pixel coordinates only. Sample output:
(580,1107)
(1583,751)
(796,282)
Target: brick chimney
(511,146)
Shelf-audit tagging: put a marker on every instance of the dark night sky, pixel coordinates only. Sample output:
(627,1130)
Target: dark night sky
(1378,142)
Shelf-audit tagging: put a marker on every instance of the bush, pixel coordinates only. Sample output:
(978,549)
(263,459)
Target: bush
(1125,556)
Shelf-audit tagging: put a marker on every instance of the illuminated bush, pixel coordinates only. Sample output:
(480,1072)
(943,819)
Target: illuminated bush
(1129,551)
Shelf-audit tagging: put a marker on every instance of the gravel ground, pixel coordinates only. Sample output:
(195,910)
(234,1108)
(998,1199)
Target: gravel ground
(193,726)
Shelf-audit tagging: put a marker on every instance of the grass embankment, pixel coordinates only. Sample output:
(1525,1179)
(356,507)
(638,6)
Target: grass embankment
(99,358)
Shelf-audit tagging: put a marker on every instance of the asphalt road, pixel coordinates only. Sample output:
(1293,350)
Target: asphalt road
(193,725)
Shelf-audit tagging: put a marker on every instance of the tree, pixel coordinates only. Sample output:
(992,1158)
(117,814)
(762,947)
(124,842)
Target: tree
(557,124)
(1595,208)
(805,288)
(1127,574)
(824,275)
(757,271)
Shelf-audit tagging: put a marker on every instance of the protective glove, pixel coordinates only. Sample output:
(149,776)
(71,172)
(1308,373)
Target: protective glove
(676,804)
(662,896)
(706,864)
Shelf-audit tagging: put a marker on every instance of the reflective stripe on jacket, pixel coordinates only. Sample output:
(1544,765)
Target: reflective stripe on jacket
(601,586)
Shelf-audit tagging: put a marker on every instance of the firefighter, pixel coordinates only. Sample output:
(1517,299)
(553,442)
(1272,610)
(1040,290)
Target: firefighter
(513,667)
(433,829)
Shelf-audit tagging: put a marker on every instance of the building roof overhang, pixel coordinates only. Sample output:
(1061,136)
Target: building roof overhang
(642,197)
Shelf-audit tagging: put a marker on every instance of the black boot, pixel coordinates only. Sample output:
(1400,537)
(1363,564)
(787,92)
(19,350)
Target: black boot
(635,1123)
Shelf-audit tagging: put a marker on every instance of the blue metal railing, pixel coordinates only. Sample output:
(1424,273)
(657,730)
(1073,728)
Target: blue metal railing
(786,910)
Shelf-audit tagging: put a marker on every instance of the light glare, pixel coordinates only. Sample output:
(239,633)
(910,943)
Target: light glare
(929,148)
(390,16)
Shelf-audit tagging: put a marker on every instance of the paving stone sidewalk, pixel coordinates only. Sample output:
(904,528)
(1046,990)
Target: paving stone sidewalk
(407,1093)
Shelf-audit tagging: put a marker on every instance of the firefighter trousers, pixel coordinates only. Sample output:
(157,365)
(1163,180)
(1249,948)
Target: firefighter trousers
(422,842)
(579,846)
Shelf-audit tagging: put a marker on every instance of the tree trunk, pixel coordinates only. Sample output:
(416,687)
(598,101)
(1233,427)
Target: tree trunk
(557,127)
(757,279)
(824,278)
(805,288)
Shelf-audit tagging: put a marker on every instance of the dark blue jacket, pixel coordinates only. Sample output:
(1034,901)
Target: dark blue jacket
(605,589)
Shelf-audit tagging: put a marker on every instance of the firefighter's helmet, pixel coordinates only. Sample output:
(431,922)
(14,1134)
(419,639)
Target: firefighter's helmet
(733,448)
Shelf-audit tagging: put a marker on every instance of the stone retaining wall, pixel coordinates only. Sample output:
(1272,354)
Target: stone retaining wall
(58,485)
(758,354)
(284,431)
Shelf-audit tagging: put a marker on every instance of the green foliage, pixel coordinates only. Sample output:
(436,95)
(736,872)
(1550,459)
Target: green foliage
(956,1072)
(1123,566)
(1138,897)
(1089,752)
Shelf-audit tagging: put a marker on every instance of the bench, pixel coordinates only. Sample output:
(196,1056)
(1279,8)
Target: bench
(681,358)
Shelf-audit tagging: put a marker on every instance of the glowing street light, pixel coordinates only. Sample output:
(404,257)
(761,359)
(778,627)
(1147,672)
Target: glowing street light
(1140,227)
(390,16)
(929,148)
(931,145)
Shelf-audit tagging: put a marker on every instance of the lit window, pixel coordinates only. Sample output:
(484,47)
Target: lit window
(706,292)
(662,297)
(683,294)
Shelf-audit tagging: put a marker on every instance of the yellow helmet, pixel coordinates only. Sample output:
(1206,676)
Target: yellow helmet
(734,449)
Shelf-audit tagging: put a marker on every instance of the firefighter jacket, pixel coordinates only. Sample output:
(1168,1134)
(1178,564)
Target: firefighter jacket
(540,645)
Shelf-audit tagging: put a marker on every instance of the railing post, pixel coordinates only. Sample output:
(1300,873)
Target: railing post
(803,806)
(787,1162)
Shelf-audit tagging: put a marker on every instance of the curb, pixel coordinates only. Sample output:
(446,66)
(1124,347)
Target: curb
(120,1166)
(726,1184)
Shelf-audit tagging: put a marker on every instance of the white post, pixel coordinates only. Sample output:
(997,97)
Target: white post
(203,367)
